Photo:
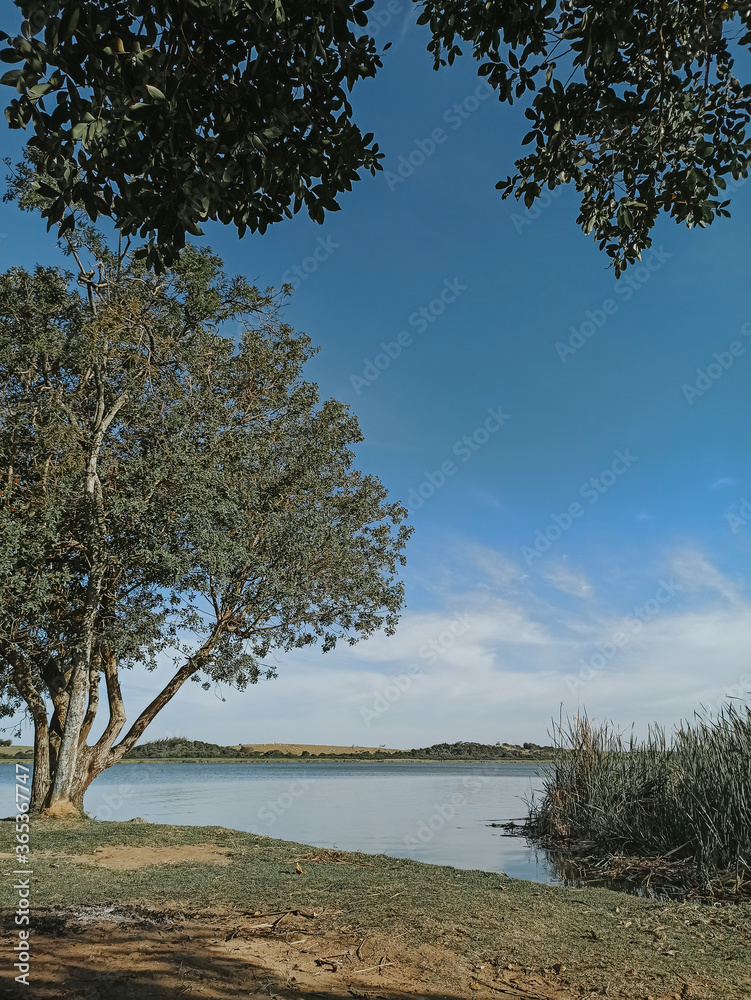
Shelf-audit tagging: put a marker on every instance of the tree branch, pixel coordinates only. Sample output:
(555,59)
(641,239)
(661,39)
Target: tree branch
(190,667)
(117,715)
(93,705)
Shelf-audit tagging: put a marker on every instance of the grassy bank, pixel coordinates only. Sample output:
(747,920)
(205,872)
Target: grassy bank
(684,800)
(581,943)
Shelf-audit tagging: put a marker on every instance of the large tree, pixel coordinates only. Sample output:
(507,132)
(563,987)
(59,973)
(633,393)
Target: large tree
(172,494)
(165,113)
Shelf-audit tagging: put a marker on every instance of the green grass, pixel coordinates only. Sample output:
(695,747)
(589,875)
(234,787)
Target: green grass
(635,947)
(688,796)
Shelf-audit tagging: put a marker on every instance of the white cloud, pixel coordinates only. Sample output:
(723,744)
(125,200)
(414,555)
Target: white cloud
(493,659)
(568,581)
(696,573)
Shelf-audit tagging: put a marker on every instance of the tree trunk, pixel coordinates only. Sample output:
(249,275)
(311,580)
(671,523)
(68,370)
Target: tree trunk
(66,795)
(22,678)
(73,774)
(42,780)
(65,799)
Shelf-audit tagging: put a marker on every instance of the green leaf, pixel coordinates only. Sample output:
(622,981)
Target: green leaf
(69,21)
(12,77)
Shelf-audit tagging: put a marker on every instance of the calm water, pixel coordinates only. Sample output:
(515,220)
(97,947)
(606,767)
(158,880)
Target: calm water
(430,812)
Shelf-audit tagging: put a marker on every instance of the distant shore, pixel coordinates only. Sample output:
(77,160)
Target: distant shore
(180,750)
(328,760)
(321,760)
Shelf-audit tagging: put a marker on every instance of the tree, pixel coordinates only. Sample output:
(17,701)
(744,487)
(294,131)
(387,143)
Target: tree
(634,103)
(171,113)
(164,114)
(169,494)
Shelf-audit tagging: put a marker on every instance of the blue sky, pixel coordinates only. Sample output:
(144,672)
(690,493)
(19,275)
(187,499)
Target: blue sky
(552,400)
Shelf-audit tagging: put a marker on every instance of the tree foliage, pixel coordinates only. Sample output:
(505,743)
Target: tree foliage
(164,114)
(634,103)
(168,493)
(169,114)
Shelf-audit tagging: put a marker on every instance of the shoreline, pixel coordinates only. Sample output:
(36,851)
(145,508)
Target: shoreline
(312,760)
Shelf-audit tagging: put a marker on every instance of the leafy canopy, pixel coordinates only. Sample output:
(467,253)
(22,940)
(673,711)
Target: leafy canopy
(164,114)
(635,103)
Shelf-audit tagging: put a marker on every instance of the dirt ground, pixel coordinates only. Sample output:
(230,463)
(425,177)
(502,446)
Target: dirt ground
(129,858)
(227,954)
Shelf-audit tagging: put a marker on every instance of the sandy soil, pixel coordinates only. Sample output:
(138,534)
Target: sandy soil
(310,747)
(131,858)
(141,953)
(128,858)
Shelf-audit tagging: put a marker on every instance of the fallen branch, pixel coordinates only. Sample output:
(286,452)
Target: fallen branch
(511,990)
(328,857)
(381,965)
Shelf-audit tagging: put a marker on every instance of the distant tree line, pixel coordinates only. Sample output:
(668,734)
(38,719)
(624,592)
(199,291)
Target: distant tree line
(500,751)
(180,747)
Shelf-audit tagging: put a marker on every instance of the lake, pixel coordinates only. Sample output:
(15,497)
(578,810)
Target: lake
(434,812)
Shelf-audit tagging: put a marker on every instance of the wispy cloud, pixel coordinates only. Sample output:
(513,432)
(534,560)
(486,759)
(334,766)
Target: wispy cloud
(568,581)
(495,657)
(696,573)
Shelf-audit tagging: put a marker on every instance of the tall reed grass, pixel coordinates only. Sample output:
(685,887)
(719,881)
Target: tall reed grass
(688,795)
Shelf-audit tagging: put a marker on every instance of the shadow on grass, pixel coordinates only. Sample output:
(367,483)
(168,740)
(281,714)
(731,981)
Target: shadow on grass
(86,957)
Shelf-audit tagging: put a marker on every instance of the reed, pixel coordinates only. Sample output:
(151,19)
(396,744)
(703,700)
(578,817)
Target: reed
(687,795)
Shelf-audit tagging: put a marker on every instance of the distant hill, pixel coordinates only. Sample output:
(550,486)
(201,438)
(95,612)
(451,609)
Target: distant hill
(9,752)
(311,749)
(178,747)
(484,751)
